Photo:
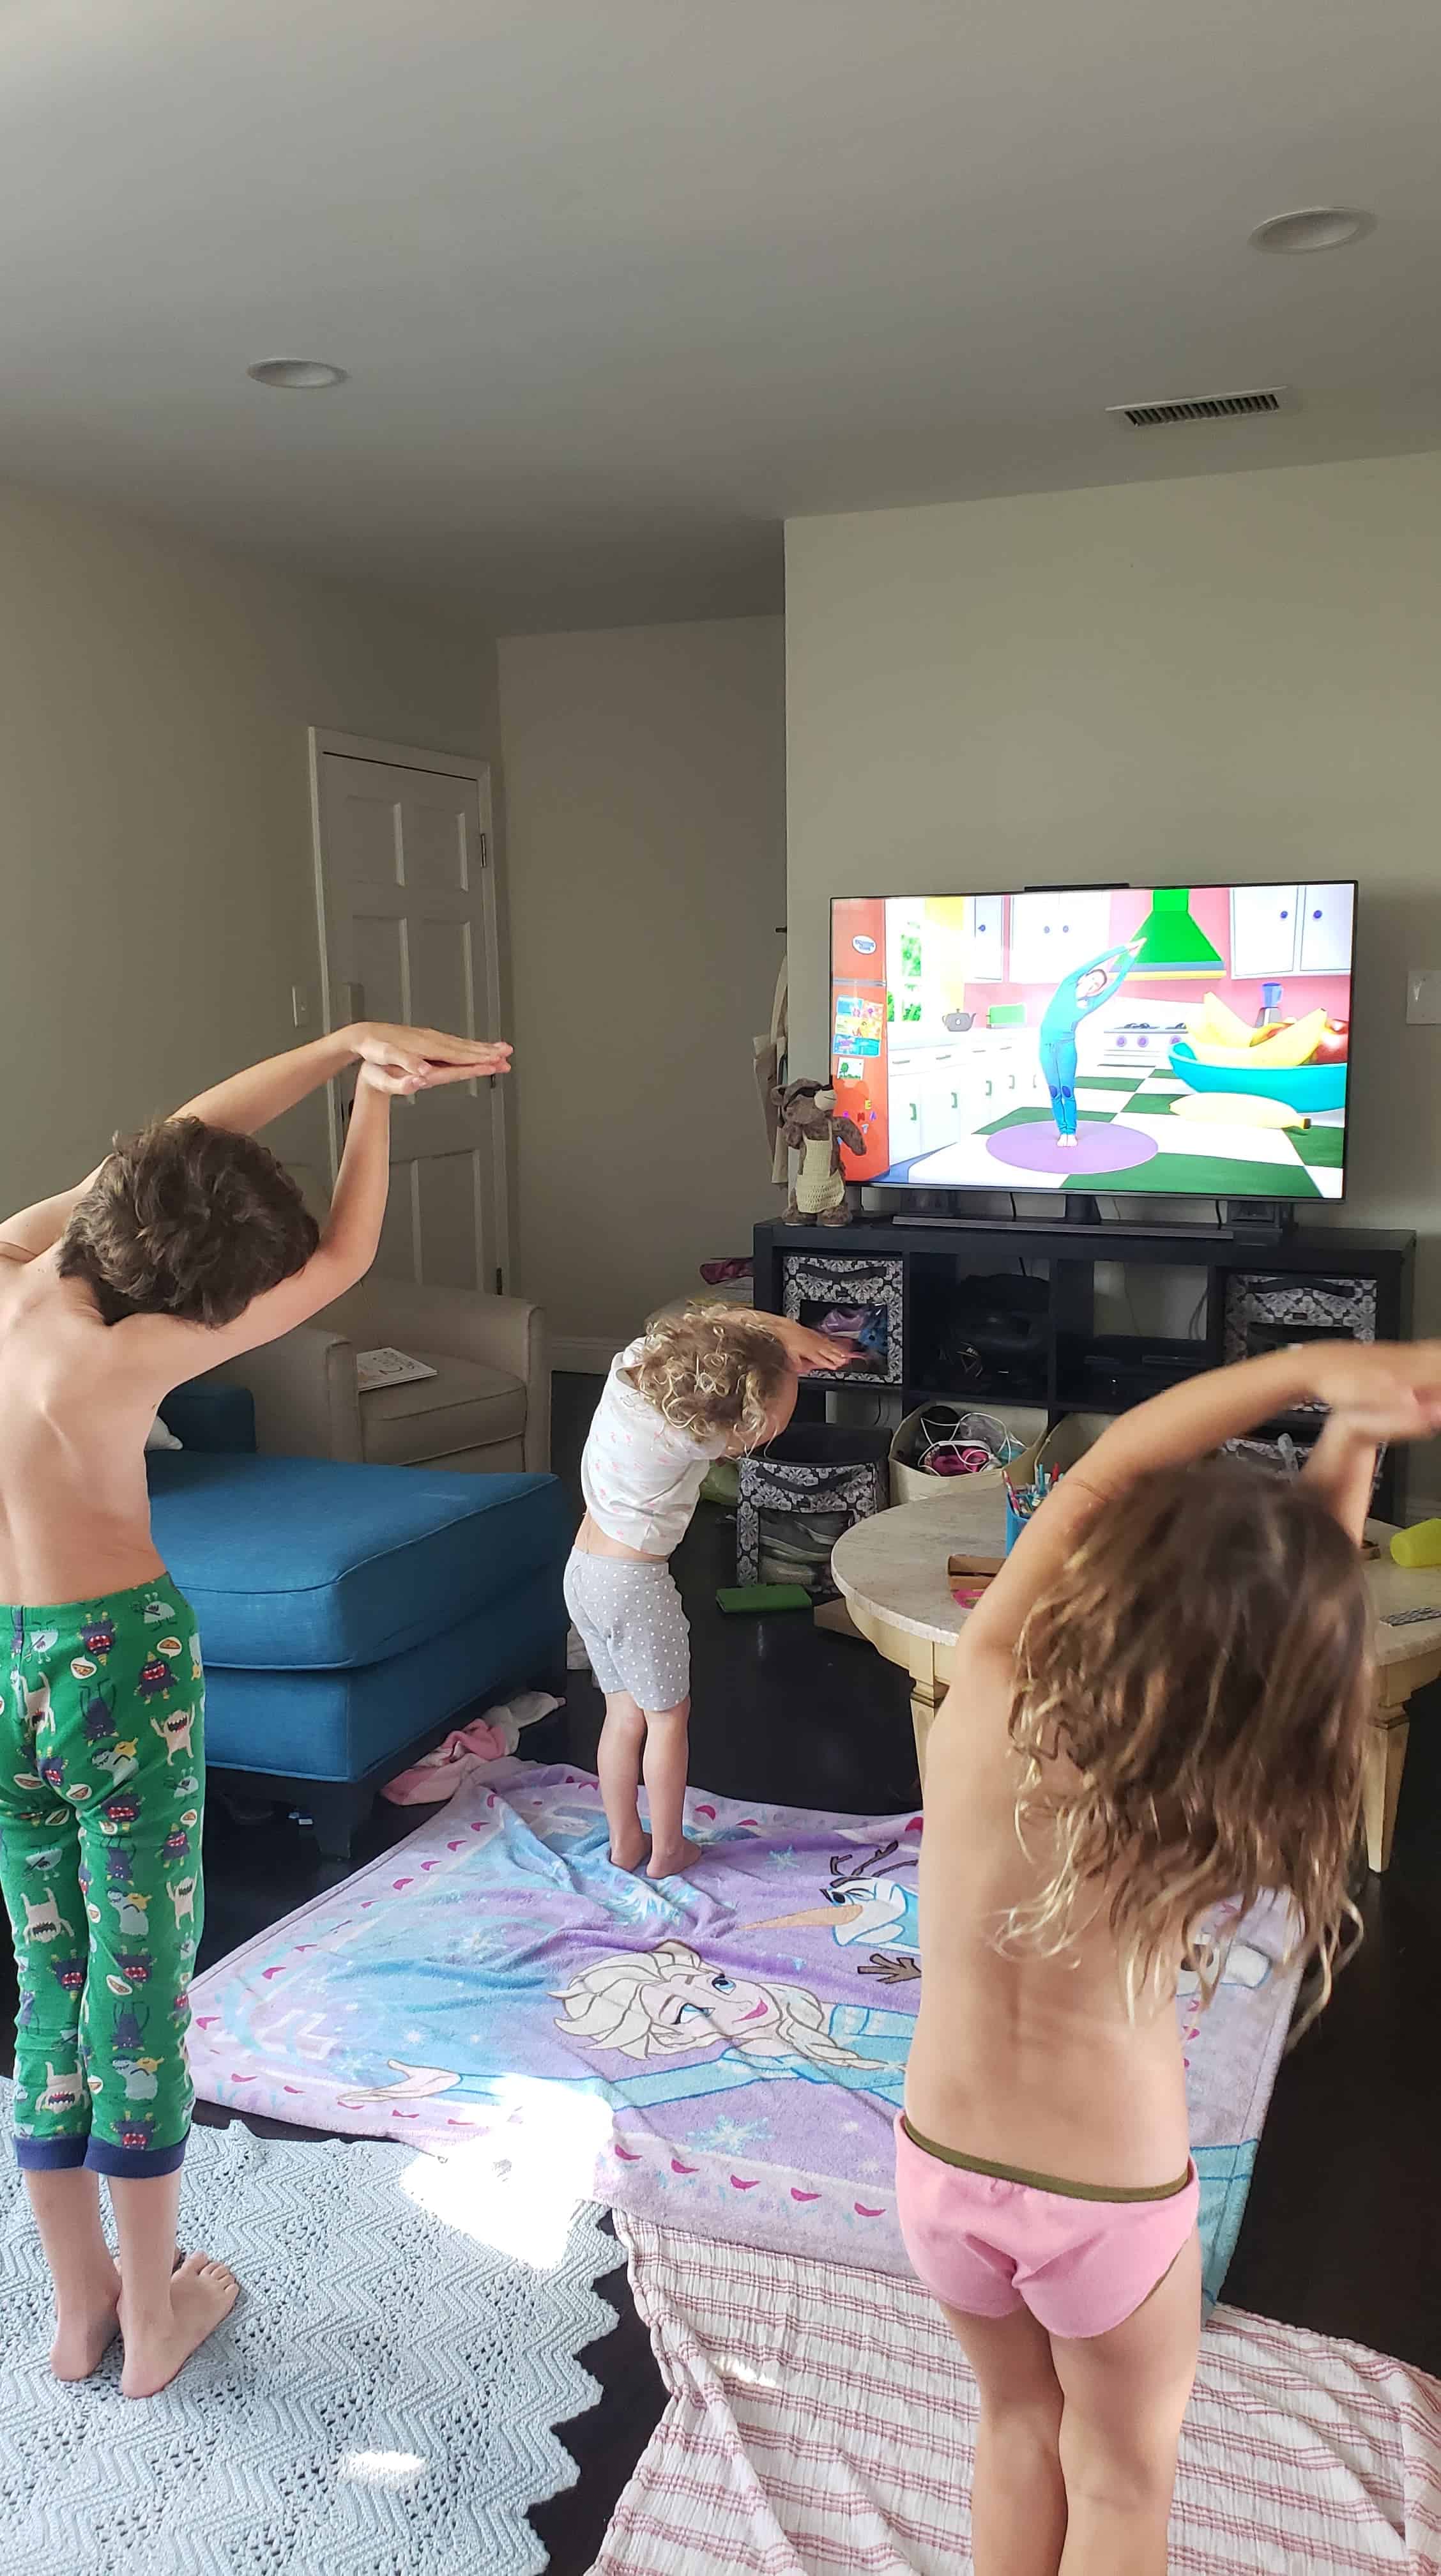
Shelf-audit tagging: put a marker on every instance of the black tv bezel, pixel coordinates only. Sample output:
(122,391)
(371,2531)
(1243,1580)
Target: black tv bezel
(1005,1189)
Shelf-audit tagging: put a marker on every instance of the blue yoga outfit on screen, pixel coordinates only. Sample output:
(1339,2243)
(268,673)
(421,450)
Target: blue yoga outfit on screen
(1060,1020)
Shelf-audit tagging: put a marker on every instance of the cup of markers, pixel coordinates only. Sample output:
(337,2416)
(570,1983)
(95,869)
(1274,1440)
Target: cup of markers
(1023,1500)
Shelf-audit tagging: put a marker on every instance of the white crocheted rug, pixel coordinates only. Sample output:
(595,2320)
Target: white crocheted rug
(380,2404)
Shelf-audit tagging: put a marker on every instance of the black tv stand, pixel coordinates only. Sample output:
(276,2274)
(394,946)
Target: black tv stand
(1081,1211)
(1258,1221)
(1257,1282)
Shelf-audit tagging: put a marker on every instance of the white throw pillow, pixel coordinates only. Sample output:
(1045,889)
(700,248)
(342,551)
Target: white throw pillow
(157,1437)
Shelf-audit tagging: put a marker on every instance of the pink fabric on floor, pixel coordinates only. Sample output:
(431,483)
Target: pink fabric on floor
(439,1774)
(821,2423)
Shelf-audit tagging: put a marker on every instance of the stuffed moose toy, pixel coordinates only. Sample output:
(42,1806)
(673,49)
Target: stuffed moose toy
(812,1129)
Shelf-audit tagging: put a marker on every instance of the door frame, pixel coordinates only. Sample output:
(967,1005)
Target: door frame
(322,739)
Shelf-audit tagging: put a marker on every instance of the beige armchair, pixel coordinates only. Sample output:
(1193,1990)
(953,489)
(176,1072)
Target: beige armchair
(486,1411)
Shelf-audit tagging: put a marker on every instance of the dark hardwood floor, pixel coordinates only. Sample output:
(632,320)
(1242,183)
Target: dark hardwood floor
(1337,2234)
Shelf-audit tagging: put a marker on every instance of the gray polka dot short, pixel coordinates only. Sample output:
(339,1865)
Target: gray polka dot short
(632,1627)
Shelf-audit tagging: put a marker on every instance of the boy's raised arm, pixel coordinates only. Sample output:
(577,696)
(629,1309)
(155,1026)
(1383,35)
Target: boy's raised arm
(32,1230)
(250,1100)
(349,1241)
(413,1059)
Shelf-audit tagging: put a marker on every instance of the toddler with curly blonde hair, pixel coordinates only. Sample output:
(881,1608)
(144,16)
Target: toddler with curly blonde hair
(711,1383)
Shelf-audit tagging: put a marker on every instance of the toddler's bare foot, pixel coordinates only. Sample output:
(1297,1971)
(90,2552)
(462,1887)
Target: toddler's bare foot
(84,2335)
(202,2295)
(628,1850)
(670,1864)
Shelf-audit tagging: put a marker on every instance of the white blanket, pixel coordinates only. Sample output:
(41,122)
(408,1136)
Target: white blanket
(822,2419)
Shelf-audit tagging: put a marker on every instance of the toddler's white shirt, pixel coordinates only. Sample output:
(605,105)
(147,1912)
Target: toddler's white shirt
(641,1478)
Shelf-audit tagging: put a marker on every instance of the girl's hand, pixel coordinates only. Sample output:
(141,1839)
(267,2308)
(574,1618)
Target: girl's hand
(1398,1383)
(423,1059)
(1372,1427)
(807,1350)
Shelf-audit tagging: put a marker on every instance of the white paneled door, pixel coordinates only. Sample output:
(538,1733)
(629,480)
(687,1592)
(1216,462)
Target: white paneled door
(408,932)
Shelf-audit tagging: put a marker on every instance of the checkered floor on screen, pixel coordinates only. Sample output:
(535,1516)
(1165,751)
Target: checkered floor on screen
(1195,1155)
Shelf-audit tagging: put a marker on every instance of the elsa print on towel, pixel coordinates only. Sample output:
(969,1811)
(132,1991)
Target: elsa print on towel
(670,2004)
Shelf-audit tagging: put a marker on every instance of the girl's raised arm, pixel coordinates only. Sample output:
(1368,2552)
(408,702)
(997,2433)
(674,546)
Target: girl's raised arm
(1398,1382)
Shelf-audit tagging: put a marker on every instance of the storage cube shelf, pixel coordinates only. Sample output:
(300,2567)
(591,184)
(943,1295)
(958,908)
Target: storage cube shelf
(1022,1300)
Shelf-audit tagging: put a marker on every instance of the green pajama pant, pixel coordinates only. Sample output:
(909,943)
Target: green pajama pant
(102,1783)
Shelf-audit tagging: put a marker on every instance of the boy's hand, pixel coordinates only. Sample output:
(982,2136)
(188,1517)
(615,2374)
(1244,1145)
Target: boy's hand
(401,1060)
(807,1350)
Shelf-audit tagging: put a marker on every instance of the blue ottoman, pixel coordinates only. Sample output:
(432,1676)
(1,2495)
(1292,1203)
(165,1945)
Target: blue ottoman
(347,1614)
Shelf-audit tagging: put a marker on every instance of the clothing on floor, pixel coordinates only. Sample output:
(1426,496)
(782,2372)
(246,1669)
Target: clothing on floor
(987,2240)
(635,1632)
(102,1787)
(436,1776)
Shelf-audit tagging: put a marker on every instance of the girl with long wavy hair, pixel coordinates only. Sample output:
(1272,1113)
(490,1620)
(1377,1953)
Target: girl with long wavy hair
(1157,1717)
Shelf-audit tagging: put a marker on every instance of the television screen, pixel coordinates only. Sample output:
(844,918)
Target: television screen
(1187,1041)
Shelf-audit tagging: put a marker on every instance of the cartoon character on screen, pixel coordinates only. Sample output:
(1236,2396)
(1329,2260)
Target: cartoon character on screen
(812,1128)
(1073,999)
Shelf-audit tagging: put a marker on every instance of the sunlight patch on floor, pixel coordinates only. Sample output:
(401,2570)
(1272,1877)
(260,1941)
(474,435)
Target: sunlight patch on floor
(518,2190)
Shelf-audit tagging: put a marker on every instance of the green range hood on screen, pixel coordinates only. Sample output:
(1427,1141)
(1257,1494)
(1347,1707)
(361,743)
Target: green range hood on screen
(1171,941)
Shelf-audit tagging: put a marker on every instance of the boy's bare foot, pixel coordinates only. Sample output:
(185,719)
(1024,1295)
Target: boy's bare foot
(670,1864)
(628,1850)
(83,2336)
(202,2295)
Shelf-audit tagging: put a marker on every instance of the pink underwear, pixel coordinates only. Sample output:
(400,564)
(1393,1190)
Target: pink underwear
(987,2240)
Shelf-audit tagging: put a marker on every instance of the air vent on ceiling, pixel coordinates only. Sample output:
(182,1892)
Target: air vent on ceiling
(1155,415)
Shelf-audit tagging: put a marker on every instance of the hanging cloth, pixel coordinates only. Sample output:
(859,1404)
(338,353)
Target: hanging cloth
(770,1066)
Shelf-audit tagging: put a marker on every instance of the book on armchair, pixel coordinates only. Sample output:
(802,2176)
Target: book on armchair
(388,1368)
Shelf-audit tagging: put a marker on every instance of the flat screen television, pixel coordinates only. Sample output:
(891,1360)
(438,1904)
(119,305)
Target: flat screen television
(1182,1041)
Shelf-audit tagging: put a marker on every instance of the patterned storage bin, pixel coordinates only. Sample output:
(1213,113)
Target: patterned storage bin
(799,1496)
(1265,1312)
(851,1294)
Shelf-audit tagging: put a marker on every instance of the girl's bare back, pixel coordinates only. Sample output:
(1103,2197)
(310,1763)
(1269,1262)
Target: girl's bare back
(1026,2060)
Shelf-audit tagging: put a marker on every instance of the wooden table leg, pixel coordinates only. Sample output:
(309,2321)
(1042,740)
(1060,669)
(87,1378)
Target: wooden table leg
(927,1693)
(1381,1782)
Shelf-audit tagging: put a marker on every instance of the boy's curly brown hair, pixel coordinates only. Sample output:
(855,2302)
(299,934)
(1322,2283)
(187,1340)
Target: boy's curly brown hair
(709,1373)
(187,1220)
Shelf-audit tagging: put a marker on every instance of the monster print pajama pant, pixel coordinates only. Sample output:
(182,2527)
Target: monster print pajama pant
(102,1783)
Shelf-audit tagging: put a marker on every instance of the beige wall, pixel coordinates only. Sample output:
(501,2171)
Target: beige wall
(158,875)
(1176,681)
(645,818)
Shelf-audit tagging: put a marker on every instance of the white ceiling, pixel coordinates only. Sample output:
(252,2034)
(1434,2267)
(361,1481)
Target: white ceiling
(623,283)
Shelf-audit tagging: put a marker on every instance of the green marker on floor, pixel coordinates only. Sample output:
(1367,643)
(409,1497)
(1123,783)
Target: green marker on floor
(760,1597)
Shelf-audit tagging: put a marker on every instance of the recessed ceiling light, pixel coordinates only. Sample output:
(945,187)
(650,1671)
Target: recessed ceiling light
(296,375)
(1313,228)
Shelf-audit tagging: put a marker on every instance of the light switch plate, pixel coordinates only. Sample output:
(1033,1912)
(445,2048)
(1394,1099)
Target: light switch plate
(1423,996)
(300,1005)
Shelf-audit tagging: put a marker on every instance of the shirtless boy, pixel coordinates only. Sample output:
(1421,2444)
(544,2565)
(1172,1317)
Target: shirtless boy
(187,1246)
